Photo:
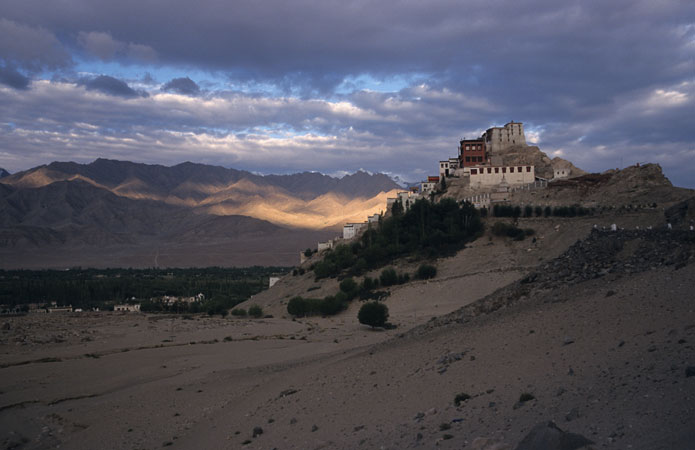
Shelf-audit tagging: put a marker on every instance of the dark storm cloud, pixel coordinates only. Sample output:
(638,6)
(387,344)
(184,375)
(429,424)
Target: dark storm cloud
(112,86)
(32,48)
(11,77)
(184,86)
(599,83)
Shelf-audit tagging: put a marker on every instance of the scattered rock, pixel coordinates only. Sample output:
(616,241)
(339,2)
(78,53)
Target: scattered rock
(314,428)
(573,414)
(547,435)
(257,431)
(568,340)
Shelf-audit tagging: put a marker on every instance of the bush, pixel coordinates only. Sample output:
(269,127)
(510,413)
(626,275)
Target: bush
(425,272)
(332,305)
(349,287)
(297,306)
(505,229)
(388,277)
(255,311)
(239,312)
(373,314)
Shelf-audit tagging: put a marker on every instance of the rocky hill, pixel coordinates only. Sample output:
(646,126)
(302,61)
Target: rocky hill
(4,173)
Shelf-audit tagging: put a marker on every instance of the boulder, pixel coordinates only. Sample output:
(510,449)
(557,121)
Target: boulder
(548,436)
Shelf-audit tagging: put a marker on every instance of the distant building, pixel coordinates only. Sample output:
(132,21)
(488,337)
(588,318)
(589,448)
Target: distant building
(501,138)
(127,308)
(561,173)
(350,230)
(272,281)
(472,152)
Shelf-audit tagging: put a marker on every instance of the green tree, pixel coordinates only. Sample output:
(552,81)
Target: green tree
(373,314)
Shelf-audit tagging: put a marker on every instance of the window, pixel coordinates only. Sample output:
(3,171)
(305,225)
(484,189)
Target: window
(511,170)
(528,168)
(474,171)
(468,159)
(497,170)
(519,169)
(504,170)
(489,170)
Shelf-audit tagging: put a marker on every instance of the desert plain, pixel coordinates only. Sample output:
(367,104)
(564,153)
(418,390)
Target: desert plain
(590,329)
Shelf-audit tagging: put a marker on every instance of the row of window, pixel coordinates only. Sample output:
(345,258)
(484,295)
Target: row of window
(474,159)
(474,147)
(497,170)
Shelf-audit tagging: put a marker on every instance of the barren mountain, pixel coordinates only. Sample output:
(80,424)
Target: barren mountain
(122,213)
(219,190)
(4,173)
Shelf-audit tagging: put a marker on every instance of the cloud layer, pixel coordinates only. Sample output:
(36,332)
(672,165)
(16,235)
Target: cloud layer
(331,86)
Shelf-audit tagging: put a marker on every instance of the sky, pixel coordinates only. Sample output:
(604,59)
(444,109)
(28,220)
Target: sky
(391,86)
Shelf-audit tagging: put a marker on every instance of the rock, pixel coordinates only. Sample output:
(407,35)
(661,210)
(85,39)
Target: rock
(568,340)
(314,428)
(257,431)
(573,414)
(547,435)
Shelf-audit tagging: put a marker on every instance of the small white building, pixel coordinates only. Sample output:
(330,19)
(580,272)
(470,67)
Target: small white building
(444,168)
(350,230)
(127,308)
(374,218)
(561,173)
(272,281)
(325,245)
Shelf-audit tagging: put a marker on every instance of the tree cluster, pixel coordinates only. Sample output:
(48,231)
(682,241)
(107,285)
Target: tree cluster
(426,229)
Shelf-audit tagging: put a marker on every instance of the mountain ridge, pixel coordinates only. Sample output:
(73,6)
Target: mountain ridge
(70,213)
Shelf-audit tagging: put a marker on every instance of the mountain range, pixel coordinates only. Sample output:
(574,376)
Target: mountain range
(119,213)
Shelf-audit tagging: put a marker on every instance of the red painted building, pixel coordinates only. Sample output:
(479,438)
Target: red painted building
(472,152)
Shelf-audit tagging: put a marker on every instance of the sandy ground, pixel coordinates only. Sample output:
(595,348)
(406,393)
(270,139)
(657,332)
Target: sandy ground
(610,367)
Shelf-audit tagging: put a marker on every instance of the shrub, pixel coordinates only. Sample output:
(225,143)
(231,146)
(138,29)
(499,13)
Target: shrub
(425,272)
(332,305)
(255,311)
(403,278)
(308,252)
(349,287)
(296,306)
(239,312)
(373,314)
(388,277)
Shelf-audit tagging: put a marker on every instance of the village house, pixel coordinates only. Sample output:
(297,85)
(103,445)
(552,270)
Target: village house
(350,230)
(127,308)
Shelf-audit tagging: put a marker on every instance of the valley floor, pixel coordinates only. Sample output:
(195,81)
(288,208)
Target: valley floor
(606,358)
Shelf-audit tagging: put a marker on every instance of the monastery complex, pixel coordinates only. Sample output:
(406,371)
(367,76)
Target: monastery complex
(482,169)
